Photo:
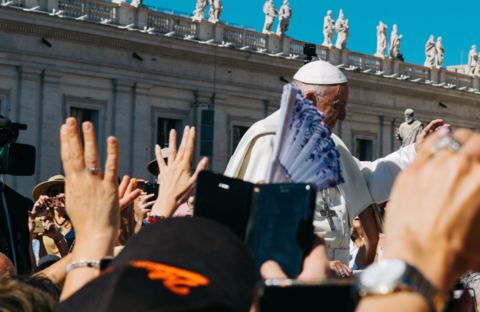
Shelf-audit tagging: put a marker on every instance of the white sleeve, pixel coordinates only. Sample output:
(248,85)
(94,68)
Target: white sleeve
(381,173)
(255,164)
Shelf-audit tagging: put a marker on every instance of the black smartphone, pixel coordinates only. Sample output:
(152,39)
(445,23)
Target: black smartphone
(223,199)
(280,226)
(463,300)
(151,188)
(292,295)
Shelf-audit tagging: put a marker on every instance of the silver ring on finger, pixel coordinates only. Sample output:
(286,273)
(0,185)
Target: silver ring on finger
(93,170)
(446,142)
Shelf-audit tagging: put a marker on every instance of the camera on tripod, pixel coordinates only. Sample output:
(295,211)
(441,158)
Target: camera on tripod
(15,158)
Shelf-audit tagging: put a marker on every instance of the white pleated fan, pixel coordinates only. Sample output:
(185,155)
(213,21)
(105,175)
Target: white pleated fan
(304,152)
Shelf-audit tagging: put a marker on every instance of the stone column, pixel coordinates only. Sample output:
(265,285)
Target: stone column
(218,30)
(441,75)
(52,5)
(396,66)
(25,110)
(123,117)
(387,66)
(202,100)
(126,14)
(394,143)
(52,117)
(476,82)
(205,30)
(141,152)
(274,43)
(219,159)
(435,75)
(335,56)
(141,19)
(386,133)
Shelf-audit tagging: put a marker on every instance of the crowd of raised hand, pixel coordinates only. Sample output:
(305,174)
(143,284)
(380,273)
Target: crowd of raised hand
(192,264)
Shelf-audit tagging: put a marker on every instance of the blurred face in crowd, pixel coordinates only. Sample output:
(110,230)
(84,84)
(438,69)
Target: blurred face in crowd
(6,266)
(332,102)
(58,190)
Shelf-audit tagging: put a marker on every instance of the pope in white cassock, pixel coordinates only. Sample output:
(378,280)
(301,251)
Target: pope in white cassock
(365,182)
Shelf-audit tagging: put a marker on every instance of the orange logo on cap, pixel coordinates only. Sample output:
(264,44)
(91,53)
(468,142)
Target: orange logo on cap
(177,280)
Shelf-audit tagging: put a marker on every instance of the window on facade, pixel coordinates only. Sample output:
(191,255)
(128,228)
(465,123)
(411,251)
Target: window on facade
(206,134)
(164,125)
(237,134)
(85,114)
(364,149)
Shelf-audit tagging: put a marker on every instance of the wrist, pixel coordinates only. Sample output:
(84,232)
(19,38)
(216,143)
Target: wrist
(164,207)
(94,246)
(433,266)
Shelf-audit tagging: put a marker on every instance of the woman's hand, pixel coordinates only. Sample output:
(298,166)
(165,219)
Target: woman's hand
(175,178)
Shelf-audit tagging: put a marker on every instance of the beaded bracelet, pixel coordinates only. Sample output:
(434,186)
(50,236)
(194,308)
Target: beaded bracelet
(153,218)
(79,264)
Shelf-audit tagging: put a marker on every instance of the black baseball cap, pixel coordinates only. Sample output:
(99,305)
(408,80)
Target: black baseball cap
(177,264)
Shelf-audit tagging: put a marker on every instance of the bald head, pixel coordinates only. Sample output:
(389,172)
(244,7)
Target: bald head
(6,266)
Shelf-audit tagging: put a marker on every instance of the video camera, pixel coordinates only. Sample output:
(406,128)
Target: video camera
(15,159)
(309,51)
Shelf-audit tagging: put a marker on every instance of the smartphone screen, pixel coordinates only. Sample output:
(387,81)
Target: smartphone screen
(223,199)
(151,188)
(280,226)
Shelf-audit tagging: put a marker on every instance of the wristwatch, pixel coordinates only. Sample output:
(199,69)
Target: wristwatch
(390,275)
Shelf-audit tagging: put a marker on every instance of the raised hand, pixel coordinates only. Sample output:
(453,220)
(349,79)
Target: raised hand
(127,191)
(175,178)
(433,219)
(433,126)
(92,201)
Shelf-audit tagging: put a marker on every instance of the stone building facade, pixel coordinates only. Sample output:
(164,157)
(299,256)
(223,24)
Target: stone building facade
(136,73)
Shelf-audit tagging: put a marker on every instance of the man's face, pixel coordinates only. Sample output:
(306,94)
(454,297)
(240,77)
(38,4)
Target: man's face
(332,103)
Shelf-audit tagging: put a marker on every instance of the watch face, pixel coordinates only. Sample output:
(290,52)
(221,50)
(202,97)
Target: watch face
(383,276)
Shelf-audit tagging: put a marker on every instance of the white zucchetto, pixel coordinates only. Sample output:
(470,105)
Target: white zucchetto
(320,73)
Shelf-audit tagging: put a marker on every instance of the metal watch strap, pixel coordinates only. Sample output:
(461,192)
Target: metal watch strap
(414,280)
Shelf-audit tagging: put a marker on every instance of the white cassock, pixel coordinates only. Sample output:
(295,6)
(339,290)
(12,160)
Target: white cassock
(365,182)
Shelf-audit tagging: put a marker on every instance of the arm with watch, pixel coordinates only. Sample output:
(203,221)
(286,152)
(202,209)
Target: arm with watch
(432,227)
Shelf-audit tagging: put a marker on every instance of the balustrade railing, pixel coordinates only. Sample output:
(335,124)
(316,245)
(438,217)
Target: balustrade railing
(93,10)
(16,3)
(166,23)
(296,48)
(242,38)
(459,80)
(415,72)
(246,39)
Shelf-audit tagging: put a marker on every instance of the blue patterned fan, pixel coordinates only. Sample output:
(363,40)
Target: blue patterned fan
(304,152)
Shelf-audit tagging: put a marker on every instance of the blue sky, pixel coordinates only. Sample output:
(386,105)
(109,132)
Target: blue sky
(455,21)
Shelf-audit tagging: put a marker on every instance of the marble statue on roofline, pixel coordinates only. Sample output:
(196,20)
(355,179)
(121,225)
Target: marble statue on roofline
(284,16)
(199,13)
(430,52)
(395,39)
(342,26)
(328,29)
(439,53)
(270,15)
(409,130)
(136,3)
(476,70)
(216,9)
(381,40)
(472,60)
